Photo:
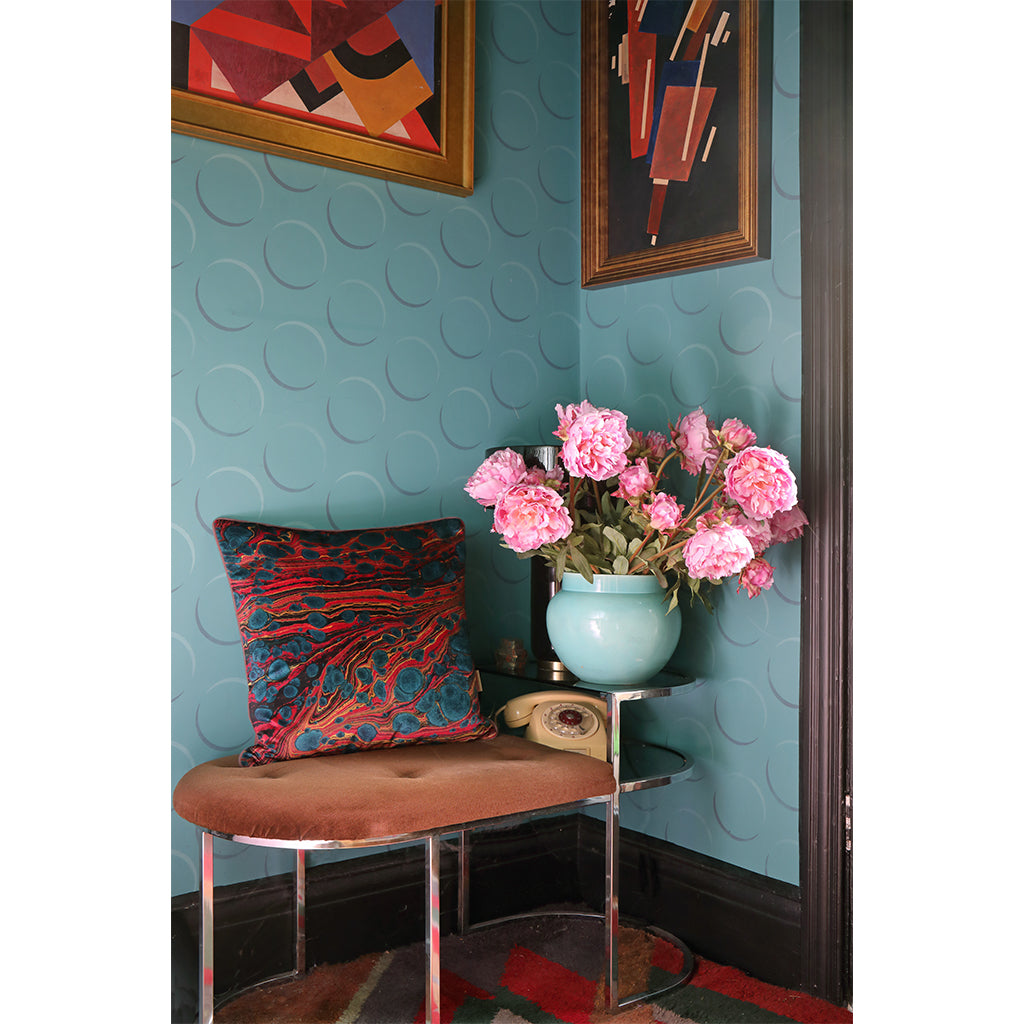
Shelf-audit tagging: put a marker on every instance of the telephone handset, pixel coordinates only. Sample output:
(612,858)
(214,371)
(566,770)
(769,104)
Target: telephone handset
(566,719)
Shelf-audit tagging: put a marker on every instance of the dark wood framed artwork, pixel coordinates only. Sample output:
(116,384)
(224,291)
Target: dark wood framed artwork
(676,136)
(379,87)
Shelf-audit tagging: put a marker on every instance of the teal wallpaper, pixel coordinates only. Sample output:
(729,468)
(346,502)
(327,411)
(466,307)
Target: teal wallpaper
(344,350)
(728,340)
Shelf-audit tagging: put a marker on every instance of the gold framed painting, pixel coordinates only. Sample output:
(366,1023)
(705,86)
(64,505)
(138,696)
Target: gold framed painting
(676,136)
(379,87)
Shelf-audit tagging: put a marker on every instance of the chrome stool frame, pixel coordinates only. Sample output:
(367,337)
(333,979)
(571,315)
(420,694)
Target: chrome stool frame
(432,841)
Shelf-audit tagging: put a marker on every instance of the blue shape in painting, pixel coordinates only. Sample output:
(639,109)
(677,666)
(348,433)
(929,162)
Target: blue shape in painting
(663,17)
(414,23)
(185,12)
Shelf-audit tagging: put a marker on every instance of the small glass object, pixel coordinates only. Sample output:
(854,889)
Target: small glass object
(511,656)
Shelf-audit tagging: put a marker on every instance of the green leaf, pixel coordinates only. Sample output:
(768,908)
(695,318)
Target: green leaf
(581,565)
(618,541)
(651,552)
(621,565)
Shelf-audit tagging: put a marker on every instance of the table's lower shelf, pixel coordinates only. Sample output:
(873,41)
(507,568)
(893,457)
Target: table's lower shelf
(581,934)
(646,765)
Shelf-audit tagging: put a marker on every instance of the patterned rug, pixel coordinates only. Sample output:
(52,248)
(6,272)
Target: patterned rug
(532,971)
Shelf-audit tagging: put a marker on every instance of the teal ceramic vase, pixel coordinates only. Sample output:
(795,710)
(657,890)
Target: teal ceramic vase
(614,631)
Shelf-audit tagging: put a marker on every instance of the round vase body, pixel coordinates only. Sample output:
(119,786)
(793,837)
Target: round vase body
(615,630)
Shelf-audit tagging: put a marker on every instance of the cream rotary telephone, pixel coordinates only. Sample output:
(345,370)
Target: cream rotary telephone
(565,719)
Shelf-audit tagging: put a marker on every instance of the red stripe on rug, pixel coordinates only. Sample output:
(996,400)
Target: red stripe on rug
(564,994)
(454,992)
(729,981)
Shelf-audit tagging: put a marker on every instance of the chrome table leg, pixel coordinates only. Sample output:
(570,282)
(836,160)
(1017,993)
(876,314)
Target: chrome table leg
(611,899)
(433,930)
(611,853)
(463,882)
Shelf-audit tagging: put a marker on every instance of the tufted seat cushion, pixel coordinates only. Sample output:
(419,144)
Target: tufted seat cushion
(373,794)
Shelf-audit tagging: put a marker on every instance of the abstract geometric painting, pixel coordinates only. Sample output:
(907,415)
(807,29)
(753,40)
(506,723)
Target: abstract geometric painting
(673,90)
(372,69)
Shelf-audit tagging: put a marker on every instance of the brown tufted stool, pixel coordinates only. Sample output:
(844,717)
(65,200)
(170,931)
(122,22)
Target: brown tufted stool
(379,797)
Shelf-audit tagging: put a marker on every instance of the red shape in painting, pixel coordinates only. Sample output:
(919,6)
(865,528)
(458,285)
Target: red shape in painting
(668,159)
(642,47)
(259,45)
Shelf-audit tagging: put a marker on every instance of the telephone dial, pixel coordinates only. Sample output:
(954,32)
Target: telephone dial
(565,719)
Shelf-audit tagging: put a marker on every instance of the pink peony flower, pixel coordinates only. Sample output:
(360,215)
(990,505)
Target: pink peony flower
(634,481)
(567,416)
(692,436)
(757,531)
(650,445)
(788,525)
(528,516)
(736,434)
(496,475)
(658,445)
(760,481)
(758,575)
(665,512)
(636,443)
(717,552)
(596,441)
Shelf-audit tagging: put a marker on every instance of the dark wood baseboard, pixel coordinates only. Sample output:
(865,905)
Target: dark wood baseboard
(377,902)
(722,912)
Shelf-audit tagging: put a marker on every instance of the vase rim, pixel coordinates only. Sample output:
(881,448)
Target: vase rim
(607,583)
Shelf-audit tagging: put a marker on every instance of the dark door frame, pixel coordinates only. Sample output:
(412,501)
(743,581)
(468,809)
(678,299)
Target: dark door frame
(825,643)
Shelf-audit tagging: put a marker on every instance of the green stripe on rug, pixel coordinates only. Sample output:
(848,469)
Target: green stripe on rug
(506,1003)
(705,1006)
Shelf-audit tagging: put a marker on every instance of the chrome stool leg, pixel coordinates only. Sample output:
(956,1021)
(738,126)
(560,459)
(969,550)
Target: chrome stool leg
(433,930)
(206,933)
(300,912)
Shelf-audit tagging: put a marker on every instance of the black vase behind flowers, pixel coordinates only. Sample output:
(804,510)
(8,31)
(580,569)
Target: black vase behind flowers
(543,585)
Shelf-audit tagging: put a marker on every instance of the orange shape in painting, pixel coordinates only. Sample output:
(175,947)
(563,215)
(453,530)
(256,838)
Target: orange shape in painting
(380,102)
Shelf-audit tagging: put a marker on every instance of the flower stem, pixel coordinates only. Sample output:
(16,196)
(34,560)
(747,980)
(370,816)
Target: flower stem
(647,536)
(698,498)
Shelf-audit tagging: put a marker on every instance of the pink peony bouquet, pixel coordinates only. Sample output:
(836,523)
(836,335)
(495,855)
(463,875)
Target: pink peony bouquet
(608,508)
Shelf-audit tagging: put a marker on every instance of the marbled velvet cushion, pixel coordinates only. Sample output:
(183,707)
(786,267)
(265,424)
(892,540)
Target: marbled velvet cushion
(352,639)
